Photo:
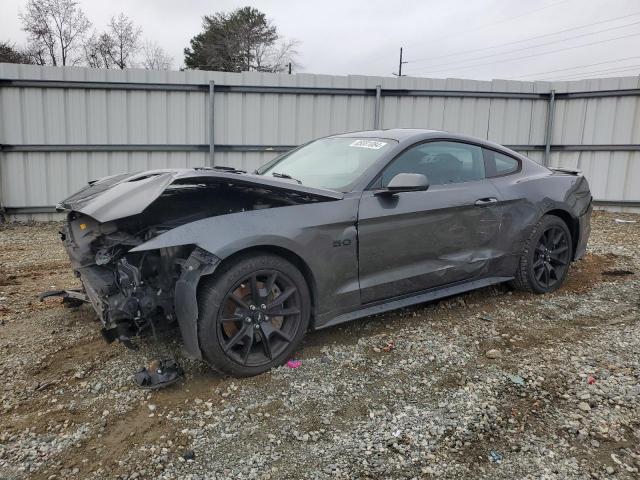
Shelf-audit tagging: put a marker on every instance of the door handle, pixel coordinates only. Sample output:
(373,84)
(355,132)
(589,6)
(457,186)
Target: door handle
(483,202)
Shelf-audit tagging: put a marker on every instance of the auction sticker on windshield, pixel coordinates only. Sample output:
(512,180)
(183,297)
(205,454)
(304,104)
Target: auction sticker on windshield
(373,144)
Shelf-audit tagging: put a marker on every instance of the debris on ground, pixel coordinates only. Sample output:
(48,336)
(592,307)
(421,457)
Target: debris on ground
(72,298)
(495,457)
(390,346)
(516,379)
(189,455)
(294,363)
(158,374)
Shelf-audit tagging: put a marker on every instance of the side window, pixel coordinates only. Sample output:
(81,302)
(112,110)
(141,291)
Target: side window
(501,164)
(440,162)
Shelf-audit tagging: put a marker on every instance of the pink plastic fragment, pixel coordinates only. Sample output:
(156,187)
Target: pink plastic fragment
(591,380)
(294,363)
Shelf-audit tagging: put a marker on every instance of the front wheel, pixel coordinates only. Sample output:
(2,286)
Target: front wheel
(254,312)
(544,263)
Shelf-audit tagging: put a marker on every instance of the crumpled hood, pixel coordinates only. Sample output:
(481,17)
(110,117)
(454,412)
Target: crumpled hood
(121,196)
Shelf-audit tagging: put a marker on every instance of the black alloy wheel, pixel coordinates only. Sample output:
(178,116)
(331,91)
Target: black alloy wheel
(259,318)
(551,257)
(544,262)
(253,313)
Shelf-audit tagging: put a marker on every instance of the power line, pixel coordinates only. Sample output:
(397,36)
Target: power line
(614,74)
(587,34)
(618,74)
(598,72)
(526,39)
(532,55)
(631,75)
(492,24)
(573,68)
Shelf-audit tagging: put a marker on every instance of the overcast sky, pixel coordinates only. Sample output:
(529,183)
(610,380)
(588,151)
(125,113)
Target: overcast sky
(452,38)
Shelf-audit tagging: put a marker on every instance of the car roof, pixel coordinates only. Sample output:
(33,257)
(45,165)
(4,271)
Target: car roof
(411,135)
(398,134)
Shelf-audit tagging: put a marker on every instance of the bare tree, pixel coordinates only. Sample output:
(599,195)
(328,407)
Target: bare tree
(55,28)
(277,58)
(154,57)
(37,53)
(99,51)
(126,38)
(58,35)
(120,47)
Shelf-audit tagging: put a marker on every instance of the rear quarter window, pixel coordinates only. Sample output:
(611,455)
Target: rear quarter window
(499,164)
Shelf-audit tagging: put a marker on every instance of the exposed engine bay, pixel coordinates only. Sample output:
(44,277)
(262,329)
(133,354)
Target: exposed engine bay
(135,291)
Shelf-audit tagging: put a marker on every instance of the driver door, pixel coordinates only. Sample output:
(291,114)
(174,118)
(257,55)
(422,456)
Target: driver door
(415,241)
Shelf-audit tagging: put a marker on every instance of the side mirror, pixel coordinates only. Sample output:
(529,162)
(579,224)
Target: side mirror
(405,182)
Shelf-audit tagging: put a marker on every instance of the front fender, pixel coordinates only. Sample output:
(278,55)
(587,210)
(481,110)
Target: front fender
(322,234)
(225,235)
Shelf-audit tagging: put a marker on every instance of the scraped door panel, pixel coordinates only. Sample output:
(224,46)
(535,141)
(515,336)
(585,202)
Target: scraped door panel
(419,240)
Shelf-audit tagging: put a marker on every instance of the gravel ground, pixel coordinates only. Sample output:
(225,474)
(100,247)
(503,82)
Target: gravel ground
(491,384)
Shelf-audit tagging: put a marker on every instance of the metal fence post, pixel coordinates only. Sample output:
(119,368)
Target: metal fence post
(376,111)
(549,127)
(212,146)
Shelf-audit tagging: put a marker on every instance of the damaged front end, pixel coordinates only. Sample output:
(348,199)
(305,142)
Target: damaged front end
(136,291)
(130,292)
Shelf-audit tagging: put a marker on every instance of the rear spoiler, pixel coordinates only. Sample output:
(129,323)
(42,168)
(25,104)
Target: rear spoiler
(568,171)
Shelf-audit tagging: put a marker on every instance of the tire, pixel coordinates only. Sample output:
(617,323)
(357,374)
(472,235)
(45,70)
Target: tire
(253,314)
(546,256)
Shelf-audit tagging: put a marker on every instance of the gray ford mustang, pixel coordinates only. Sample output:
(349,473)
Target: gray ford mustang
(340,228)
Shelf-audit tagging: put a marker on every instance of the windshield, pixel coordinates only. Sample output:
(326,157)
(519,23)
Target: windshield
(332,163)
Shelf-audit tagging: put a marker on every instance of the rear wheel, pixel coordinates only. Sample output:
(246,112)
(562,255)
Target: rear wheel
(253,314)
(544,263)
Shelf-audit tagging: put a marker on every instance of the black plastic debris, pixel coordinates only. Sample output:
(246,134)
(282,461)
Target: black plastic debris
(189,455)
(159,374)
(70,298)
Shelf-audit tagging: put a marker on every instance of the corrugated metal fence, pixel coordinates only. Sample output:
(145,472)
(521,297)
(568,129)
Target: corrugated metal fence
(63,126)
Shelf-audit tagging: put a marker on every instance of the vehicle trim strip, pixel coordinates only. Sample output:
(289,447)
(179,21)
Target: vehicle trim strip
(419,297)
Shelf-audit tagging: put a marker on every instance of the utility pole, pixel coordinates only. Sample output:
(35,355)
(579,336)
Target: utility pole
(400,63)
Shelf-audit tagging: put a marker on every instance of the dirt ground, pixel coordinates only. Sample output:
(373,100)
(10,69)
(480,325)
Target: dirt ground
(492,384)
